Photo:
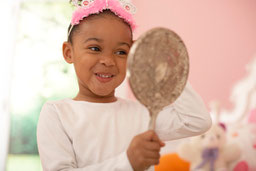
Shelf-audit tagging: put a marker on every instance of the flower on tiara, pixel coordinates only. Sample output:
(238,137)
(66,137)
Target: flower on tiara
(128,6)
(81,3)
(86,3)
(122,8)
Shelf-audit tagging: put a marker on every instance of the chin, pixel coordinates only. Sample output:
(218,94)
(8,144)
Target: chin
(104,93)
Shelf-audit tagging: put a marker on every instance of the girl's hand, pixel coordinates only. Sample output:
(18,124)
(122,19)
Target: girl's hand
(144,150)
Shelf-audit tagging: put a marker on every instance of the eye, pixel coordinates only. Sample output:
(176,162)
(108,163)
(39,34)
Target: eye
(202,136)
(121,52)
(96,49)
(218,136)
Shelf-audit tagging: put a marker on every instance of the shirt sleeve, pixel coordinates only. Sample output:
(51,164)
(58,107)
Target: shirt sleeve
(187,116)
(56,151)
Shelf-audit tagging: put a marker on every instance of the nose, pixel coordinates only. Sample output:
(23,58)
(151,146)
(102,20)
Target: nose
(107,60)
(212,138)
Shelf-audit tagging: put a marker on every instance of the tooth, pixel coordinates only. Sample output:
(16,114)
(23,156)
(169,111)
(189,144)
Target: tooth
(105,76)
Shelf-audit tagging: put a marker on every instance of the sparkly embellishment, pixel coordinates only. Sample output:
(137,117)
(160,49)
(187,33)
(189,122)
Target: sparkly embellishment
(127,8)
(85,3)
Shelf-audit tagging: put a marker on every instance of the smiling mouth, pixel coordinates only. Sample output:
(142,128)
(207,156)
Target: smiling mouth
(104,75)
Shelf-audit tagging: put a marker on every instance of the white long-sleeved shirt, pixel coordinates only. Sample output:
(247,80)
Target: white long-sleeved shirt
(85,136)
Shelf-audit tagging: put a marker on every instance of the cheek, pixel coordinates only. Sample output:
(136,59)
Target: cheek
(84,68)
(122,66)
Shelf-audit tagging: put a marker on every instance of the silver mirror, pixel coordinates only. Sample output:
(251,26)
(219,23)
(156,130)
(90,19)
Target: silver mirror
(158,67)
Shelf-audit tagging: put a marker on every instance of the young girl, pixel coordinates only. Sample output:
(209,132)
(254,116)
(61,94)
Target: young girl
(97,131)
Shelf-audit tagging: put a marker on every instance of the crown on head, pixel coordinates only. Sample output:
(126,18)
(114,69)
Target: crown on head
(122,8)
(128,6)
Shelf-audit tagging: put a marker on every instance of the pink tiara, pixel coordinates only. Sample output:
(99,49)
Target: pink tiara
(122,8)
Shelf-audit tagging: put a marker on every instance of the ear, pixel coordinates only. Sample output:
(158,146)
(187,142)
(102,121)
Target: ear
(67,51)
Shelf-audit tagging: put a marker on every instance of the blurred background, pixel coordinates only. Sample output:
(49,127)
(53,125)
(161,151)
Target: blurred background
(220,37)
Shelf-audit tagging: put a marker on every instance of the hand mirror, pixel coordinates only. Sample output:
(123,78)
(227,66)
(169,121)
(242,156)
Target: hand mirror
(158,67)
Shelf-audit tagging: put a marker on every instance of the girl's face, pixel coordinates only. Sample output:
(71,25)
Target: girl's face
(99,54)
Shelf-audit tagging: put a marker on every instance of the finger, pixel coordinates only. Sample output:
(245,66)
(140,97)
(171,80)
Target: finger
(148,135)
(152,146)
(150,162)
(156,138)
(151,154)
(162,144)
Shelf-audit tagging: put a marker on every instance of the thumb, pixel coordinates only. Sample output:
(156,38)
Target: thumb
(156,138)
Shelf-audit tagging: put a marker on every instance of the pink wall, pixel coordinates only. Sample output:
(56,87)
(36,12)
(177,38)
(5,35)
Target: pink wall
(220,37)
